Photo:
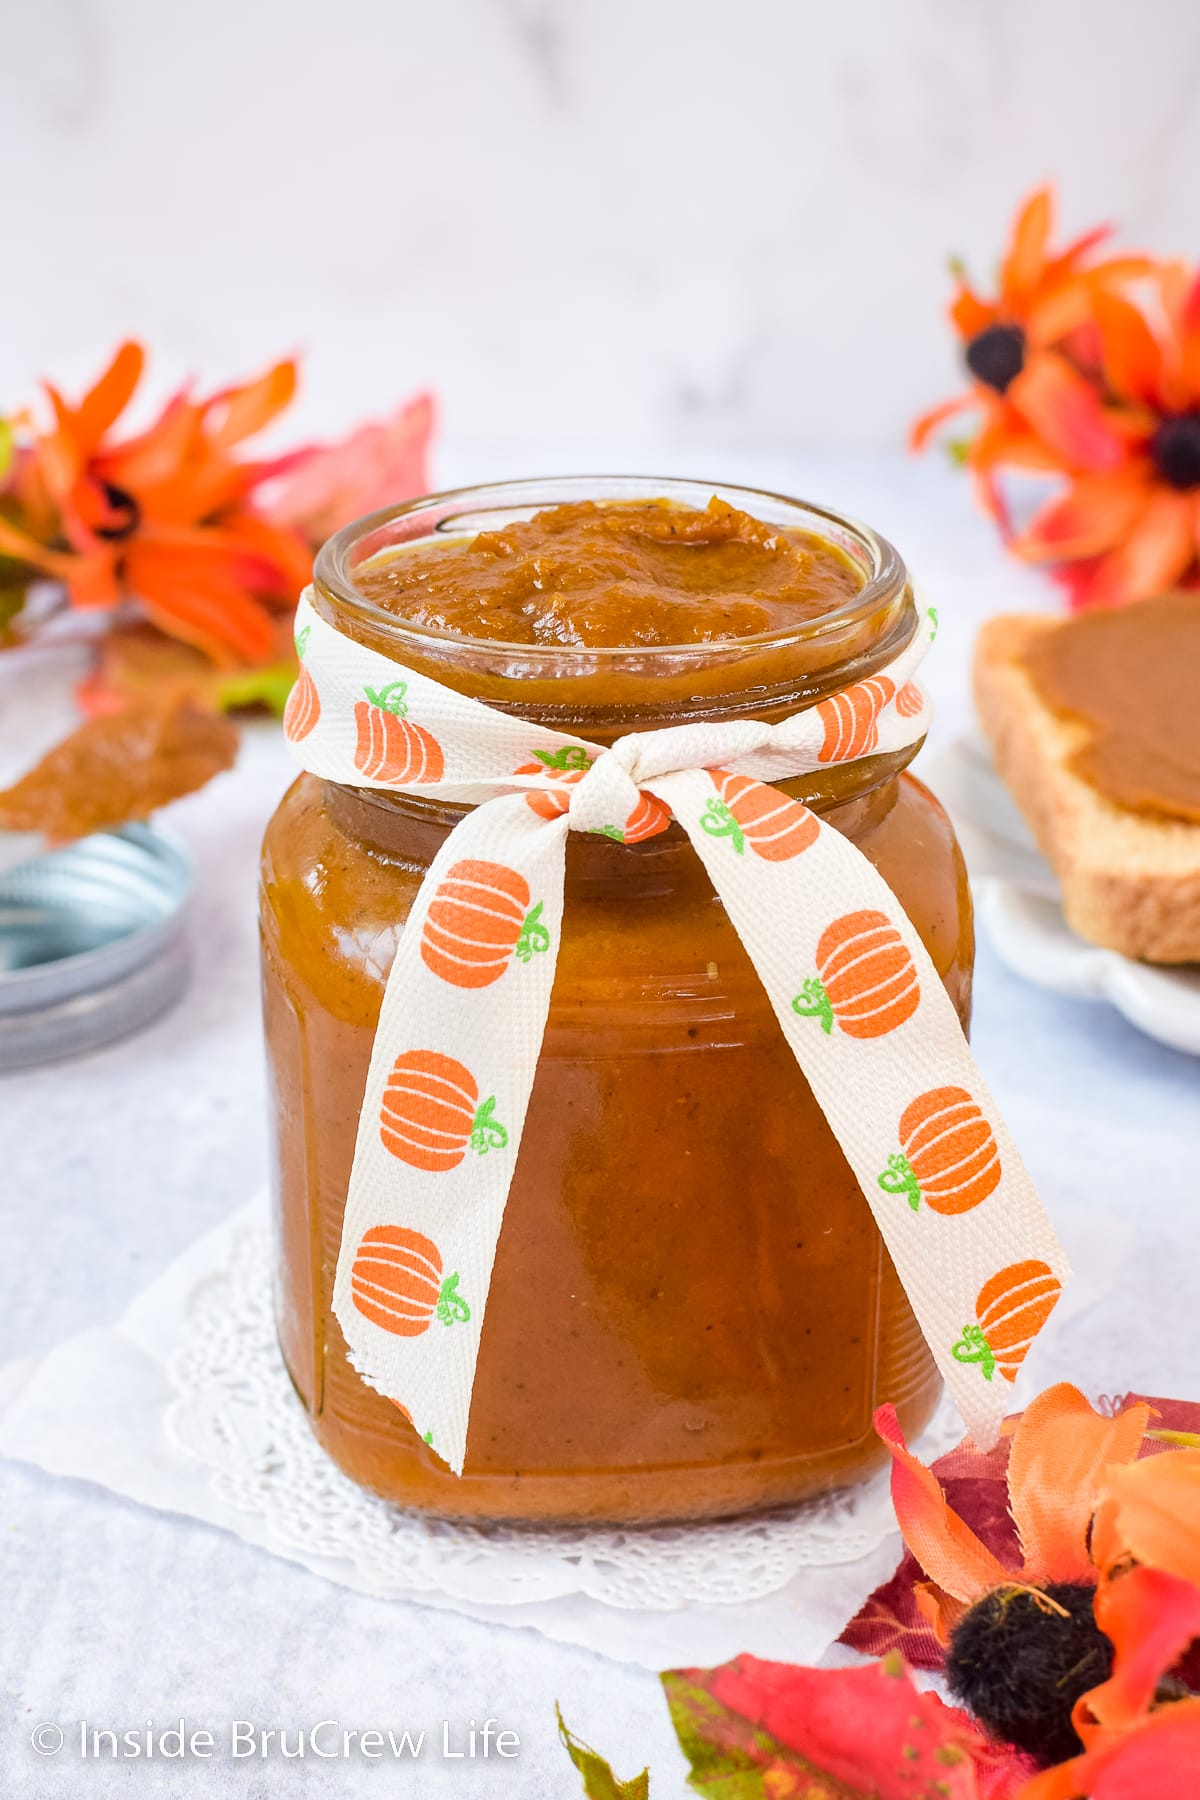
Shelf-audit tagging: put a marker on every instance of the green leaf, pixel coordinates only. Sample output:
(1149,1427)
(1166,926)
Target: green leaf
(599,1782)
(731,1759)
(13,595)
(6,447)
(257,687)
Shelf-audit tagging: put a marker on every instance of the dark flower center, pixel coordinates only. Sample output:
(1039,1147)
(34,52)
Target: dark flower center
(1020,1662)
(125,515)
(996,356)
(1175,448)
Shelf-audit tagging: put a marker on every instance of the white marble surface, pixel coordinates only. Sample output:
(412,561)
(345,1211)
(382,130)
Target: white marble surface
(613,218)
(114,1162)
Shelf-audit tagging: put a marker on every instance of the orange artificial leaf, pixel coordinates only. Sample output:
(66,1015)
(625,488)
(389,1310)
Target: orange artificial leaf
(120,767)
(1061,1449)
(767,1729)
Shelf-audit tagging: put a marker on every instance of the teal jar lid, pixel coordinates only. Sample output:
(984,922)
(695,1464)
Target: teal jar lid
(92,942)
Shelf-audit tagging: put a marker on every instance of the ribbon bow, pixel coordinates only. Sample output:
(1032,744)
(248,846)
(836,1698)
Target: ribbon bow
(464,1010)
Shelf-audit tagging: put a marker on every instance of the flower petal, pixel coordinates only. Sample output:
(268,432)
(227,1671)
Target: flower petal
(946,1548)
(1059,1451)
(104,403)
(1156,1760)
(1158,551)
(968,313)
(1189,342)
(1025,262)
(1093,515)
(923,428)
(243,411)
(201,596)
(1133,363)
(1153,1513)
(1151,1618)
(1065,412)
(156,456)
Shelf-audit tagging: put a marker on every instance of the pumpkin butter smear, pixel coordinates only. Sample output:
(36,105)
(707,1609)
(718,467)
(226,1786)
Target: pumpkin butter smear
(1129,674)
(615,576)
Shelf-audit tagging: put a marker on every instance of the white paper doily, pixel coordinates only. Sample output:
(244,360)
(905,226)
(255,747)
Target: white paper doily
(236,1413)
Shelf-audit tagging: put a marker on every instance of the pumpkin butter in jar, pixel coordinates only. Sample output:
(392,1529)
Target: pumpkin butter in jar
(691,1312)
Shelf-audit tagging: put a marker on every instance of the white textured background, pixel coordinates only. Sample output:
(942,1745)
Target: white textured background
(625,221)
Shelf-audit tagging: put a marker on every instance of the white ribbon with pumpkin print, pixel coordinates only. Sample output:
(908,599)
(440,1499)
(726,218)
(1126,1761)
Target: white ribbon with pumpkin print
(464,1010)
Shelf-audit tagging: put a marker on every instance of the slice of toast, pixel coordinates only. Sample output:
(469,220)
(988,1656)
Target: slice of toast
(1129,881)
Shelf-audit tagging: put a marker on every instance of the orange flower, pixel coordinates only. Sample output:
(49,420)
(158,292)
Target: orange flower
(1128,524)
(1043,308)
(165,516)
(1136,1739)
(1140,1735)
(1061,1448)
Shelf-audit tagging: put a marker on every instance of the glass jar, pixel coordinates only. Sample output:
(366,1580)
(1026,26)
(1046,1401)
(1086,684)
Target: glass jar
(692,1312)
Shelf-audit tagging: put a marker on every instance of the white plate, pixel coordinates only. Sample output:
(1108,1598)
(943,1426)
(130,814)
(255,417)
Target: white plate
(1017,900)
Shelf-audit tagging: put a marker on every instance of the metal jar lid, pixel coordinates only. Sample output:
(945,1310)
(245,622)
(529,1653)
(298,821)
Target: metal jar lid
(92,944)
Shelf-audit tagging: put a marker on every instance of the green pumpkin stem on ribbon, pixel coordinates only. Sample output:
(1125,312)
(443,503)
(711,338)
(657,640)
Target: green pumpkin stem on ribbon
(534,935)
(389,699)
(302,640)
(487,1133)
(812,1002)
(973,1347)
(451,1307)
(718,821)
(898,1178)
(571,758)
(609,831)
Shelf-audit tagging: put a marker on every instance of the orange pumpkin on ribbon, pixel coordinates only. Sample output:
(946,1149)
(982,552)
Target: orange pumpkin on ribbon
(478,920)
(1010,1311)
(948,1155)
(569,765)
(397,1282)
(851,719)
(910,700)
(431,1113)
(389,746)
(866,979)
(647,819)
(303,708)
(748,812)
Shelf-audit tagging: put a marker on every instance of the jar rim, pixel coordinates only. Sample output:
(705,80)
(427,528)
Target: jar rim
(885,577)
